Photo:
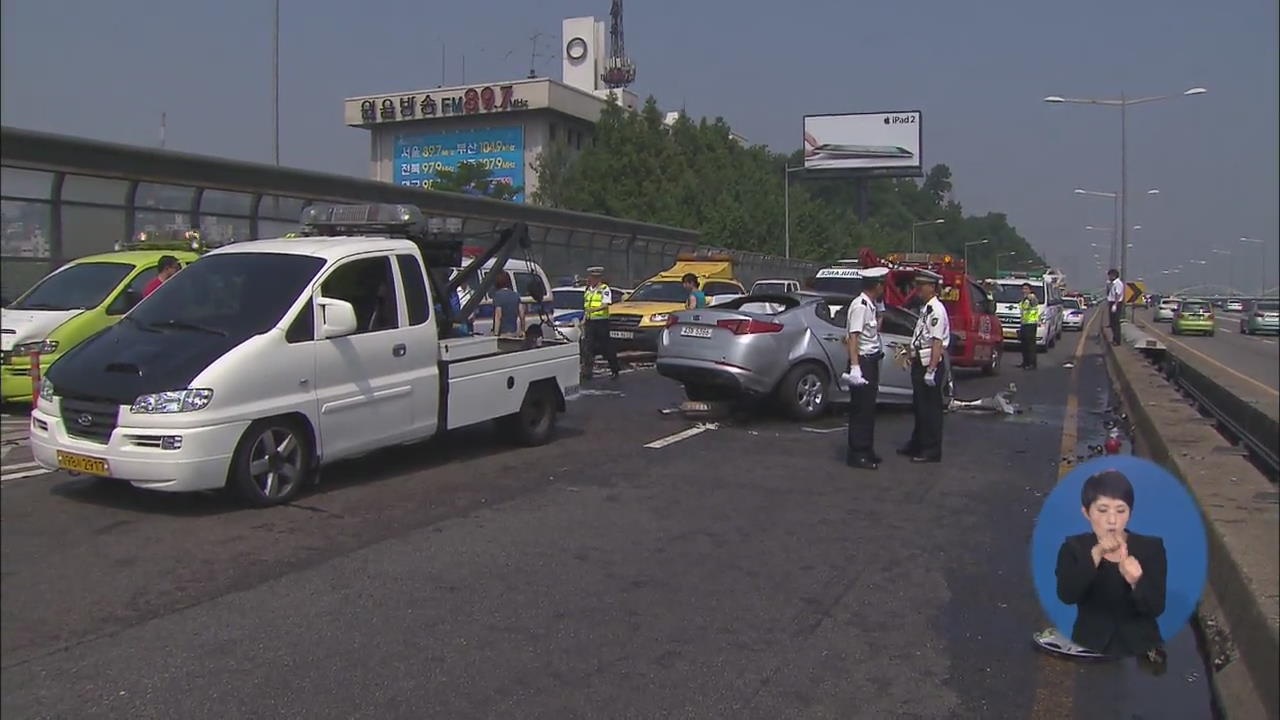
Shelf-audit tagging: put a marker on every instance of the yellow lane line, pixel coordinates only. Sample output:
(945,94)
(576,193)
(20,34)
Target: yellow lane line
(1208,359)
(1055,680)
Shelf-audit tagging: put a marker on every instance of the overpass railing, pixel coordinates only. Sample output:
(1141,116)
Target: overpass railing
(65,197)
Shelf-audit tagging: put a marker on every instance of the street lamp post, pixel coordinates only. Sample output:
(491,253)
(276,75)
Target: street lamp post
(967,245)
(1115,227)
(1123,103)
(939,221)
(786,203)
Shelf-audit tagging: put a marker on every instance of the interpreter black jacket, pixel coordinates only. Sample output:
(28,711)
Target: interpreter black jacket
(1112,617)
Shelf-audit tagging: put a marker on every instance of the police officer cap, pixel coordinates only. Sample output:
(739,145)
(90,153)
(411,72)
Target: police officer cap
(876,273)
(597,270)
(927,279)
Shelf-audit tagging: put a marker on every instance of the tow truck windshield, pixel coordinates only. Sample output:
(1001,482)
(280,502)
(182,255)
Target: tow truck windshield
(81,286)
(237,295)
(667,291)
(1008,293)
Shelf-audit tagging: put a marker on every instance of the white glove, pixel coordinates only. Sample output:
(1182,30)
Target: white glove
(854,377)
(930,377)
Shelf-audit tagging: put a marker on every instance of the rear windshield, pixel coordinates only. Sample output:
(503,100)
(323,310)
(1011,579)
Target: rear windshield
(1071,303)
(1268,306)
(568,299)
(1195,306)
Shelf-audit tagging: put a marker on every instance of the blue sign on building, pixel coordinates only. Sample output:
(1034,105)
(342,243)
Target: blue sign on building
(501,150)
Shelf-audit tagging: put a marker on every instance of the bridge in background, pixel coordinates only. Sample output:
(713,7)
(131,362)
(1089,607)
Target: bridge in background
(65,197)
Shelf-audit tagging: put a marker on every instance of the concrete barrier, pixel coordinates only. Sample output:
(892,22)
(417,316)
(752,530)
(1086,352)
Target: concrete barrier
(1242,518)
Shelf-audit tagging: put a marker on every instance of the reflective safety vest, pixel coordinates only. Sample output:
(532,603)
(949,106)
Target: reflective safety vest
(593,302)
(1030,311)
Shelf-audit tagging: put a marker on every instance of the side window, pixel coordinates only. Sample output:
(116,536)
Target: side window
(896,322)
(415,288)
(977,299)
(370,287)
(841,318)
(524,282)
(303,327)
(125,301)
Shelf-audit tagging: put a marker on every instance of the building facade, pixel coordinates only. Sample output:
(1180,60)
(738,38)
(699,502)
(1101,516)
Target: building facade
(503,126)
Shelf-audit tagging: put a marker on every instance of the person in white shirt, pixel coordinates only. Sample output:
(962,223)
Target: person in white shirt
(929,345)
(1115,303)
(863,378)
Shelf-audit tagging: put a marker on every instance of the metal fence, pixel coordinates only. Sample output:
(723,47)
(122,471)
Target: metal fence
(63,197)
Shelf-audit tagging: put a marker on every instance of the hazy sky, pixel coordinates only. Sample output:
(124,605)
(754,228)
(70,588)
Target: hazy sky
(977,69)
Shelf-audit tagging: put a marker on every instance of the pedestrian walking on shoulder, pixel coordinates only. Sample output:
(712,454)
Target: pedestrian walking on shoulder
(928,350)
(1115,303)
(863,378)
(596,300)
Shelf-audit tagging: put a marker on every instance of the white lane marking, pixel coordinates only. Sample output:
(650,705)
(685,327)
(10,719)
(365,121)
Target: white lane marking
(682,435)
(824,430)
(23,475)
(589,393)
(19,466)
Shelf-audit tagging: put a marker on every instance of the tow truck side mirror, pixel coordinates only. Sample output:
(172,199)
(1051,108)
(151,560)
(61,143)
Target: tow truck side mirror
(338,318)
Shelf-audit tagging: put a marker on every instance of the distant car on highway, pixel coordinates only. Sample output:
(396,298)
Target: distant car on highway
(774,286)
(1166,309)
(1072,313)
(796,355)
(1262,316)
(1193,316)
(1235,306)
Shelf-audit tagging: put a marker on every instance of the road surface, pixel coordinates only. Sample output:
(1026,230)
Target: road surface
(741,571)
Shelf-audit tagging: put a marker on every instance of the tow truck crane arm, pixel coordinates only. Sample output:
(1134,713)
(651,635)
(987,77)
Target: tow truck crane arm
(509,239)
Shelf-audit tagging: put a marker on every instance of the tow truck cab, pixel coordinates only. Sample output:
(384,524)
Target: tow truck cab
(975,328)
(268,358)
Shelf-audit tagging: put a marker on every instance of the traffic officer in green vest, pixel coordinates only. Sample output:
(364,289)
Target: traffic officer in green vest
(1029,310)
(596,300)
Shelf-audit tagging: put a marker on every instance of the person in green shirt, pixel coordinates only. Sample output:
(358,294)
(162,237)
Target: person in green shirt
(697,298)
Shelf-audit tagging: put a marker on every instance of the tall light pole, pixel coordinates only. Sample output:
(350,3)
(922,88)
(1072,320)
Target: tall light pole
(275,85)
(1123,103)
(1115,201)
(939,221)
(967,245)
(786,205)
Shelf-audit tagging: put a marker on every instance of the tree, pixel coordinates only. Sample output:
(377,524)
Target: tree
(474,178)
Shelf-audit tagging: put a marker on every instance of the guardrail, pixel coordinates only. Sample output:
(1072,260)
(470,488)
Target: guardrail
(1242,421)
(66,197)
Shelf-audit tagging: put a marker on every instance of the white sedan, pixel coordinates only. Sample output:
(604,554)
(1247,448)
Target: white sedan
(1166,309)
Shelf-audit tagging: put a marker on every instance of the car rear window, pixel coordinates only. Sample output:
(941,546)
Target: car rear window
(1269,306)
(1195,307)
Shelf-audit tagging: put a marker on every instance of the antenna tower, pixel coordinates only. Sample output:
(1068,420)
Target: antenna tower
(619,72)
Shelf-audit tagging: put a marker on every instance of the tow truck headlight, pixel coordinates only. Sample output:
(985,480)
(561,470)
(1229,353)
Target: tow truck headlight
(44,347)
(659,317)
(46,390)
(172,401)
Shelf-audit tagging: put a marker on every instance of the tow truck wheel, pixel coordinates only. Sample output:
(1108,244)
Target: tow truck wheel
(271,463)
(802,394)
(993,367)
(536,420)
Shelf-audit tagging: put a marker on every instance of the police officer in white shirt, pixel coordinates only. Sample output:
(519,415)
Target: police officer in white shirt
(863,378)
(1115,303)
(928,351)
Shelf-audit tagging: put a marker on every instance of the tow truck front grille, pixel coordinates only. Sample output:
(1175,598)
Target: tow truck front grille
(90,419)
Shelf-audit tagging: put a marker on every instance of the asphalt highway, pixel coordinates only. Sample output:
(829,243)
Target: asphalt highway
(741,571)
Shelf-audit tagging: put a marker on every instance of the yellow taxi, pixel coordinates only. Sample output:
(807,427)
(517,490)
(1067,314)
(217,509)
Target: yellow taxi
(637,323)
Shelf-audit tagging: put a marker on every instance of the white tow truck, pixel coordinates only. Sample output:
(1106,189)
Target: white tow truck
(265,359)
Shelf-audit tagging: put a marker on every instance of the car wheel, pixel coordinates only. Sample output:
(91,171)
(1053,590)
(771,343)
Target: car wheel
(271,463)
(1210,333)
(535,422)
(993,367)
(803,393)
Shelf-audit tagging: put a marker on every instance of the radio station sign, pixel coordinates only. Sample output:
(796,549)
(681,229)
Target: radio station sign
(418,158)
(442,103)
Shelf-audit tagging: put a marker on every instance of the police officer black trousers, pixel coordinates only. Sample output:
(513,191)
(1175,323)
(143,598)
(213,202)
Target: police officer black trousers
(862,411)
(596,341)
(1115,323)
(1027,336)
(926,435)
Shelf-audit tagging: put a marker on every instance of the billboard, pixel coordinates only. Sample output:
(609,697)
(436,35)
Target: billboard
(501,150)
(885,143)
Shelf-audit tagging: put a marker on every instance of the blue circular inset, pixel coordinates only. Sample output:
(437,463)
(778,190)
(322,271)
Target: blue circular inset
(1162,507)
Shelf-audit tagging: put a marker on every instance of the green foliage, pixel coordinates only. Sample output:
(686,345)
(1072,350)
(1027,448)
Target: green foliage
(695,175)
(474,179)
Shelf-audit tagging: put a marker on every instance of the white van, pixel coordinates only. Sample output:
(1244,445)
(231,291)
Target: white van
(1008,293)
(267,358)
(525,276)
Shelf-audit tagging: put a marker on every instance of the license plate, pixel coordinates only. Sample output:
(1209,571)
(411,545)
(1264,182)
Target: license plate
(621,334)
(83,464)
(695,331)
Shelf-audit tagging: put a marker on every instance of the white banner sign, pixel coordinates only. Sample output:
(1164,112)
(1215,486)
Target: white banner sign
(863,141)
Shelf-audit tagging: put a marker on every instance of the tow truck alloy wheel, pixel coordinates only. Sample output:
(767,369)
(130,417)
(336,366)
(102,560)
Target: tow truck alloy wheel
(272,463)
